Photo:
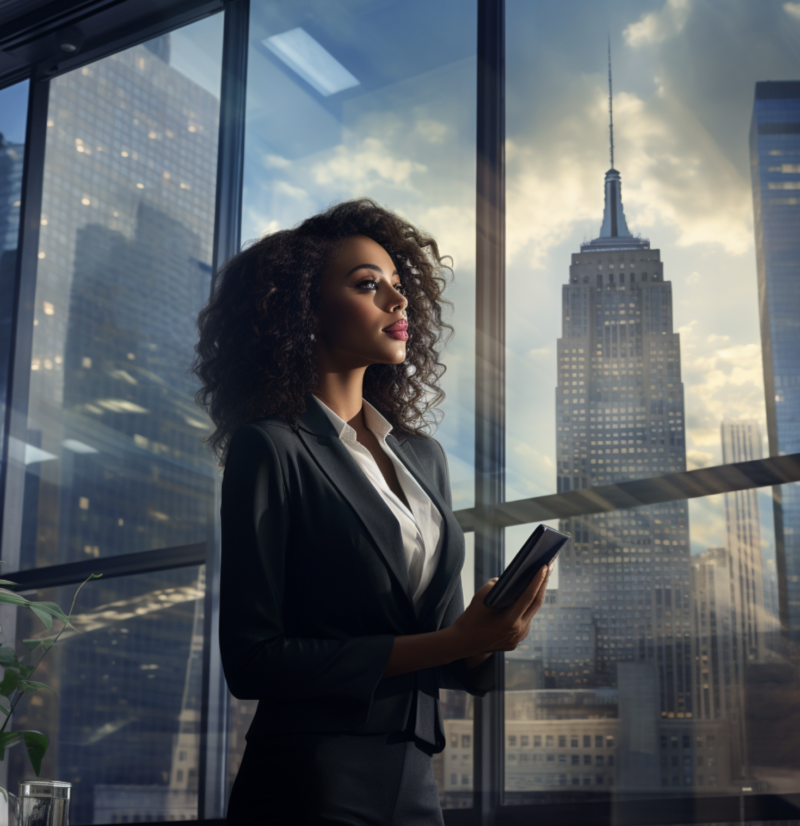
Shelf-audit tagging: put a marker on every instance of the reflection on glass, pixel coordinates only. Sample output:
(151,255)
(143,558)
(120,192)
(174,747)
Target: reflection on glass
(626,631)
(114,461)
(124,728)
(353,101)
(13,115)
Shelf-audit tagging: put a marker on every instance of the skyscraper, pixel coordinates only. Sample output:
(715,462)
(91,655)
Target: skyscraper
(11,159)
(619,413)
(741,442)
(775,169)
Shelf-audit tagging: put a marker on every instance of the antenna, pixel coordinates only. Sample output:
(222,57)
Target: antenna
(610,110)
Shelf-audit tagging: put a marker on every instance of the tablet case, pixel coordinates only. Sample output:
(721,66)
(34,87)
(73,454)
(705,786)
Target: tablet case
(540,549)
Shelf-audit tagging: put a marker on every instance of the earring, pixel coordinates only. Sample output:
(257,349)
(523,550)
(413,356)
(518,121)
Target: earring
(312,337)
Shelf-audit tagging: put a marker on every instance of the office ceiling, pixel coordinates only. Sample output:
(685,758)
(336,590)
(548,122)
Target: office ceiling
(28,29)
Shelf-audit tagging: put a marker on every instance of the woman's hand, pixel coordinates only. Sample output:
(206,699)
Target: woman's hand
(483,630)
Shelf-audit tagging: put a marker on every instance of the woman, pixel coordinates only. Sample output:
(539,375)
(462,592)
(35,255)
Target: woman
(341,607)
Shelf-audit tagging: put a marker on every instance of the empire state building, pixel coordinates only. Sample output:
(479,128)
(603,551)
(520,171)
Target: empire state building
(620,416)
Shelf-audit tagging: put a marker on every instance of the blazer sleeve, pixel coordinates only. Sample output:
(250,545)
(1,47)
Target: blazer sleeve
(259,660)
(456,675)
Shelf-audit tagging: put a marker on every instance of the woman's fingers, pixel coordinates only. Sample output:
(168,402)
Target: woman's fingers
(538,600)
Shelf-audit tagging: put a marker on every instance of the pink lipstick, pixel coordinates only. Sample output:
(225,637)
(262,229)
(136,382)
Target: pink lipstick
(398,330)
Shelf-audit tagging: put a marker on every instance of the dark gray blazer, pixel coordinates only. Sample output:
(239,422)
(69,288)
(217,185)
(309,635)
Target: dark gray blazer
(314,585)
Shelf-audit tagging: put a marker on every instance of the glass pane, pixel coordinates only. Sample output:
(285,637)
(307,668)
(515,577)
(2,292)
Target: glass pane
(655,665)
(114,458)
(124,728)
(671,344)
(396,124)
(13,117)
(654,330)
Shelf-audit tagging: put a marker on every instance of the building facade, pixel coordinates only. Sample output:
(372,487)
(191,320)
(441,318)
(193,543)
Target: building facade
(741,442)
(775,169)
(620,416)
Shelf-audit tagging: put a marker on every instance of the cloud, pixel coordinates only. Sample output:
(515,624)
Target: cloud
(285,188)
(432,130)
(698,458)
(674,174)
(792,9)
(724,383)
(365,166)
(657,26)
(276,162)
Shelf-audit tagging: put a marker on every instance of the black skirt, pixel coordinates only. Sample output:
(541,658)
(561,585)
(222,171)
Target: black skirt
(313,779)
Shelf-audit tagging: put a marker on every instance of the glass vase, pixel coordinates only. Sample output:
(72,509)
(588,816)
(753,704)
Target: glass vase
(42,803)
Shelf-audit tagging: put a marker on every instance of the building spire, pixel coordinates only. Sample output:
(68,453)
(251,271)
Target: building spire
(610,109)
(614,232)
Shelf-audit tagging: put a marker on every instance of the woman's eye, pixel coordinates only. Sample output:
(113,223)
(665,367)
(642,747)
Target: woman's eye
(373,281)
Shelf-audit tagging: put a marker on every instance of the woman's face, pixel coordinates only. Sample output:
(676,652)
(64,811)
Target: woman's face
(360,295)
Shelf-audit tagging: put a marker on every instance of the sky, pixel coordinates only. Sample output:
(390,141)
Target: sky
(683,86)
(14,112)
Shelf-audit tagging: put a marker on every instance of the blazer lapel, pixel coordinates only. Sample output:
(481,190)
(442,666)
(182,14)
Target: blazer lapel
(447,574)
(342,470)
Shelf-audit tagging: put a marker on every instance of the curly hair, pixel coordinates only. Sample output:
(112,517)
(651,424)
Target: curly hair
(255,356)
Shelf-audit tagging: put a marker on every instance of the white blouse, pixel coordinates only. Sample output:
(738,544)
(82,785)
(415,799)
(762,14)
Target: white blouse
(420,527)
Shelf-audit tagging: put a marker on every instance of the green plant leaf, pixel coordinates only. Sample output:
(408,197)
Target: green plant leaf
(9,681)
(32,685)
(5,709)
(45,642)
(8,656)
(45,616)
(4,793)
(10,598)
(8,739)
(37,744)
(52,608)
(25,670)
(7,582)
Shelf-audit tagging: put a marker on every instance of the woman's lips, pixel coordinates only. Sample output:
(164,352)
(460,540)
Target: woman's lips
(400,335)
(398,330)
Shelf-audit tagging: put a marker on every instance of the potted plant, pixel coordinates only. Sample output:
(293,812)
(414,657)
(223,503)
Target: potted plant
(17,675)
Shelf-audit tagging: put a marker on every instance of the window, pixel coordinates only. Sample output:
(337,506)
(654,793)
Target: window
(659,363)
(113,459)
(641,575)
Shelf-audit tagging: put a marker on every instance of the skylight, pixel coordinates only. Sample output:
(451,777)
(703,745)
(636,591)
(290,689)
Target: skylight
(317,66)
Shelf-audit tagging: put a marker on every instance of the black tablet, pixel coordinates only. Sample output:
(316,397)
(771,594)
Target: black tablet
(540,549)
